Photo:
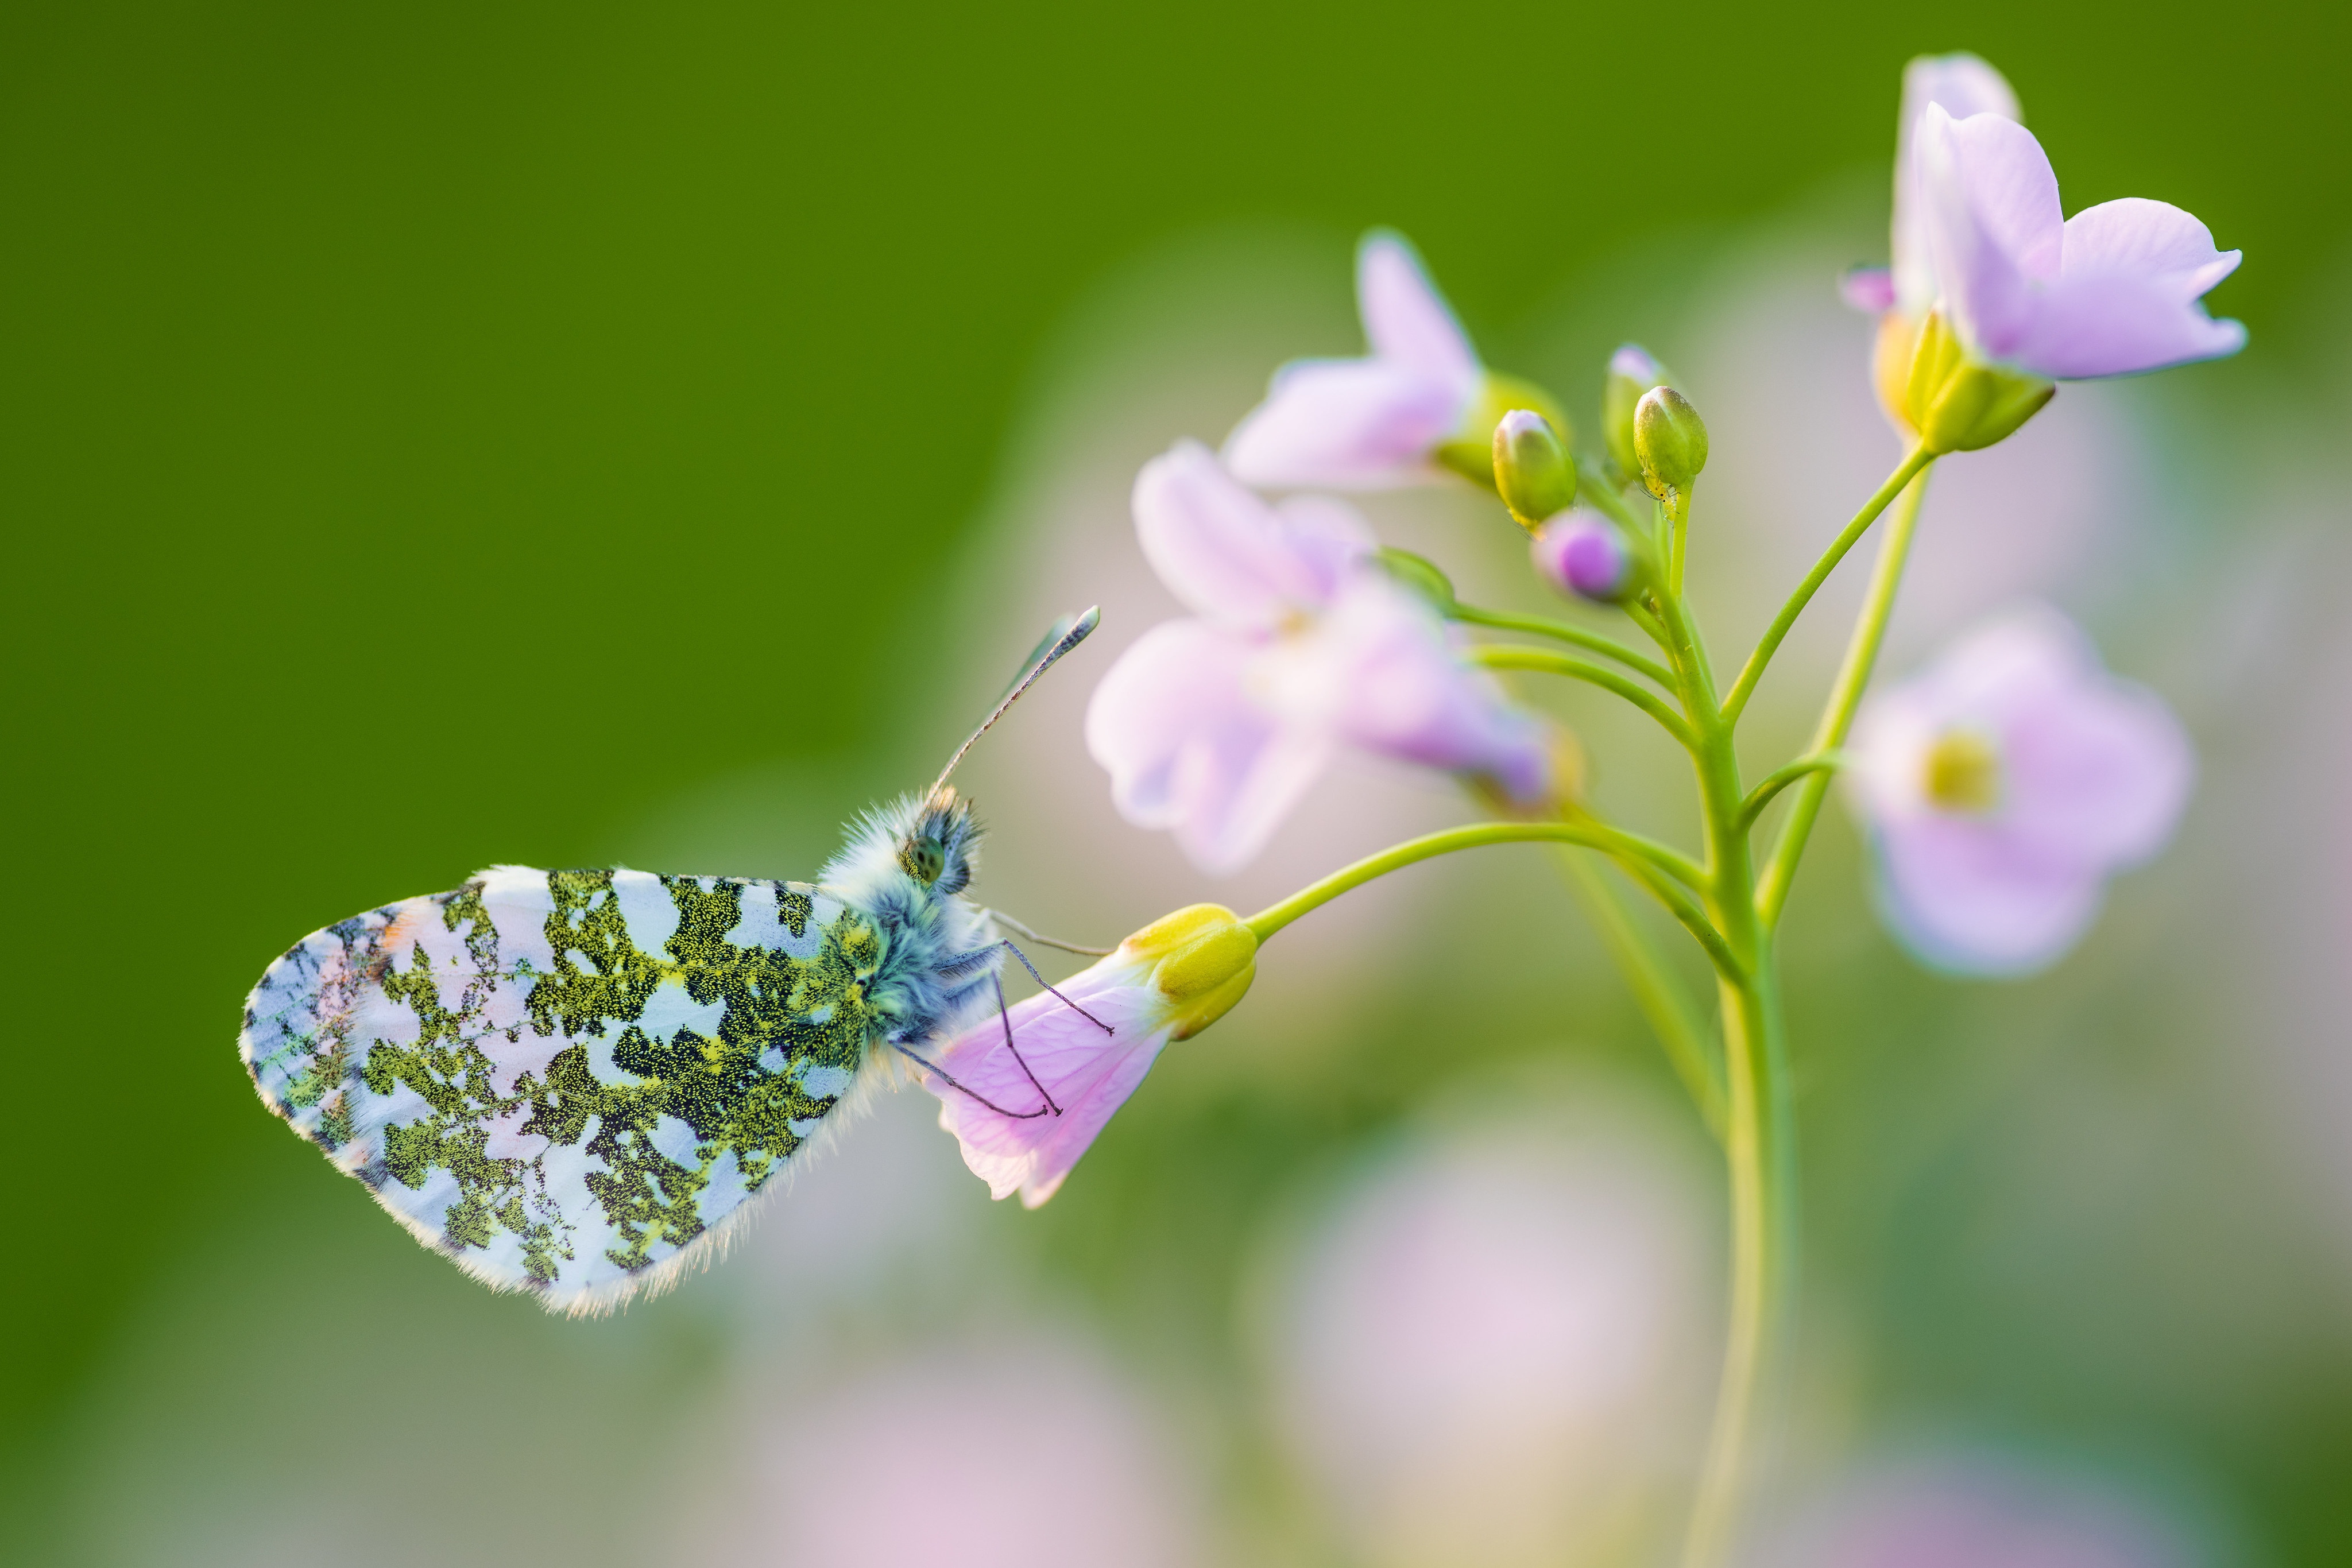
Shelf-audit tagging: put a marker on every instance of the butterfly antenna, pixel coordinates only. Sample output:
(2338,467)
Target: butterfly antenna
(1060,638)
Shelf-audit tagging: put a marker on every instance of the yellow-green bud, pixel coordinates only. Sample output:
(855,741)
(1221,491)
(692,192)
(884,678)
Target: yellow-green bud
(1669,442)
(1633,371)
(1958,404)
(1202,960)
(1470,450)
(1533,471)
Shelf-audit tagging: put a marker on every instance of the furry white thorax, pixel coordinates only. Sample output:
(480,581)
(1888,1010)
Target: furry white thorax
(939,952)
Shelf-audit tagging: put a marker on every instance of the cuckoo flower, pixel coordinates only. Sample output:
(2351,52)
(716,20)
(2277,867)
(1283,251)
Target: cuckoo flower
(1025,1091)
(1416,403)
(2114,290)
(1215,726)
(2004,785)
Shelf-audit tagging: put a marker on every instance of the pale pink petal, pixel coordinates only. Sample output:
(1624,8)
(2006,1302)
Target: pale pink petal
(1229,556)
(1962,85)
(1382,672)
(1406,320)
(1994,227)
(2127,296)
(1188,750)
(1966,897)
(1345,424)
(1063,1057)
(2138,237)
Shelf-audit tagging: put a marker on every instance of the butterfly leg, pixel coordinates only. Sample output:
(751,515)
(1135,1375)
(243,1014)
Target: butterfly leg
(949,1079)
(1057,994)
(1006,1019)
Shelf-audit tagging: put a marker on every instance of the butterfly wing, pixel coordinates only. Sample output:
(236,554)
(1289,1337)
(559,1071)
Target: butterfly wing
(568,1081)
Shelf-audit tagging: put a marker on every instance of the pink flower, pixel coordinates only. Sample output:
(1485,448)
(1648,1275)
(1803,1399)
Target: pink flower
(2114,290)
(1025,1092)
(1214,727)
(1374,423)
(2004,785)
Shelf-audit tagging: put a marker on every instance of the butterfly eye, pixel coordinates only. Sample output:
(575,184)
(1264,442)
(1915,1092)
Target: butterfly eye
(924,859)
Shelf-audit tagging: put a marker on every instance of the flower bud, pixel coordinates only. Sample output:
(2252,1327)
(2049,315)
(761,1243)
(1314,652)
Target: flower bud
(1470,450)
(1202,960)
(1632,372)
(1669,440)
(1583,554)
(1533,472)
(1420,576)
(1958,403)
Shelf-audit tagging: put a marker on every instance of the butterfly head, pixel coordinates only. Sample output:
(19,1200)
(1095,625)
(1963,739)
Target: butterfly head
(934,845)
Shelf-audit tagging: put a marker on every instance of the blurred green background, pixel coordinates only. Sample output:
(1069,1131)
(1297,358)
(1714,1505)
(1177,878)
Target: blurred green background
(439,436)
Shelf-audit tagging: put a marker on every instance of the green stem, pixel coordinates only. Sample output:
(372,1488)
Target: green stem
(1845,695)
(1757,1135)
(1655,990)
(1593,487)
(1566,632)
(1914,463)
(1679,516)
(1759,1152)
(1779,779)
(1506,656)
(1635,854)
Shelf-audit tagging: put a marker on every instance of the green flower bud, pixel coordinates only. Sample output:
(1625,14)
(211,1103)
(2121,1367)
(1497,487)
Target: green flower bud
(1633,371)
(1958,404)
(1533,471)
(1471,451)
(1669,442)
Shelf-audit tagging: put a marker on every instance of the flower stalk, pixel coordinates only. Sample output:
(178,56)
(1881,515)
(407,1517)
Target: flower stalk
(1309,637)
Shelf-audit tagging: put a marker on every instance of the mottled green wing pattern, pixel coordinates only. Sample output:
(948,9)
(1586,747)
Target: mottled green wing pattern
(569,1080)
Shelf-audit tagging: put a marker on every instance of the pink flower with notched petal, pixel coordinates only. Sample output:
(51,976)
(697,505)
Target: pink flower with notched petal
(2114,290)
(1369,424)
(1213,728)
(2004,785)
(1026,1090)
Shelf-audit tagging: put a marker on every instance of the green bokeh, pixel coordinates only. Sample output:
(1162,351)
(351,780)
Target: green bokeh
(433,434)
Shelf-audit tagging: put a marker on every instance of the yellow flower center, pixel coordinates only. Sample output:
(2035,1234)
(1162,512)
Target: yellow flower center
(1962,772)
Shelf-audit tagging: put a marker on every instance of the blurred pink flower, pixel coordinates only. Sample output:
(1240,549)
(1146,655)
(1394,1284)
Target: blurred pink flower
(2004,785)
(1027,1091)
(1490,1349)
(1369,424)
(985,1452)
(1979,1513)
(2114,290)
(1214,727)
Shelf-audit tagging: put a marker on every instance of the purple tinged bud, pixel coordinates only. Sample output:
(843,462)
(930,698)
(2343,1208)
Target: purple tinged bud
(1637,363)
(1633,371)
(1533,471)
(1584,554)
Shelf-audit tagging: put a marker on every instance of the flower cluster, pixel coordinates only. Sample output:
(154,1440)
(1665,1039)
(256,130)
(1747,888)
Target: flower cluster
(1300,642)
(2000,789)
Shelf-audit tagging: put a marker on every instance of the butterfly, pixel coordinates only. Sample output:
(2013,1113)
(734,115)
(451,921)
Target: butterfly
(571,1083)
